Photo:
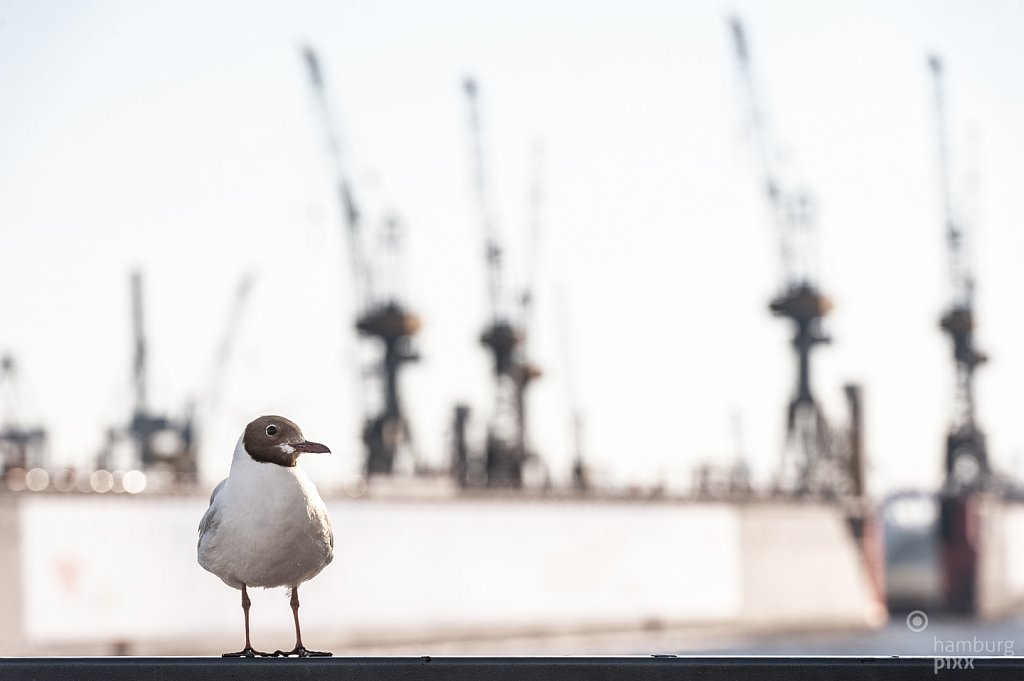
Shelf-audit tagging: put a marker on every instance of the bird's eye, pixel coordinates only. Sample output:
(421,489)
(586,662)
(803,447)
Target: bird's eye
(271,430)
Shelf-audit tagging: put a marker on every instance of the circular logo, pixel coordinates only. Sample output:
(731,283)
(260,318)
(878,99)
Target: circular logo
(917,621)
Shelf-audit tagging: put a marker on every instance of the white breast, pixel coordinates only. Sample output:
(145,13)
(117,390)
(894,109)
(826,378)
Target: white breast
(266,527)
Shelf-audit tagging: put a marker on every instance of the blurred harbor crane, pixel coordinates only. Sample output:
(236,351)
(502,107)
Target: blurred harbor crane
(380,314)
(160,442)
(812,461)
(506,450)
(21,446)
(966,460)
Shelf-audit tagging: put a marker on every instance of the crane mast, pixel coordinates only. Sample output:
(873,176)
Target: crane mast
(380,315)
(810,462)
(966,460)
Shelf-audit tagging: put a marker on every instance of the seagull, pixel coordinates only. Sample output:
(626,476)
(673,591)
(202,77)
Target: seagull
(267,526)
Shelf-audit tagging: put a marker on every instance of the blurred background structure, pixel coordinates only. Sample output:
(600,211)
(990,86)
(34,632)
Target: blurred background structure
(156,441)
(506,452)
(381,315)
(812,465)
(283,175)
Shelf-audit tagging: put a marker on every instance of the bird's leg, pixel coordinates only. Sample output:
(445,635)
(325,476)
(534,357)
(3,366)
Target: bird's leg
(248,651)
(299,650)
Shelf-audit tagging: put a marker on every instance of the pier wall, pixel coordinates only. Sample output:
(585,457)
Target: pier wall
(98,573)
(1000,536)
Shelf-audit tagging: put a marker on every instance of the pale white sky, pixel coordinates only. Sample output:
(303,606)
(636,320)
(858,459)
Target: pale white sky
(182,138)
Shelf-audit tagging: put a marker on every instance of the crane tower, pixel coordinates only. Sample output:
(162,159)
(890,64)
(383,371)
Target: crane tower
(159,442)
(380,313)
(966,460)
(812,463)
(507,448)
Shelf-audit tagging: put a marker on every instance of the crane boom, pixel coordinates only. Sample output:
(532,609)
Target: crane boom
(139,342)
(960,275)
(349,207)
(226,345)
(492,241)
(536,204)
(773,191)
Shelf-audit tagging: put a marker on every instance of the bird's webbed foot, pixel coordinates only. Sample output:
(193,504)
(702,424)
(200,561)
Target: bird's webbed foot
(299,651)
(248,651)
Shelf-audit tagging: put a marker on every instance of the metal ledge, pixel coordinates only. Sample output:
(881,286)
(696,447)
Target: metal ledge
(501,668)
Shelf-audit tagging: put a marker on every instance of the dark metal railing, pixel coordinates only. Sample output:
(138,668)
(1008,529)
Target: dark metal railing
(653,668)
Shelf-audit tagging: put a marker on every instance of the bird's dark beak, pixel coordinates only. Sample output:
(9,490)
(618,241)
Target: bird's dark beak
(311,447)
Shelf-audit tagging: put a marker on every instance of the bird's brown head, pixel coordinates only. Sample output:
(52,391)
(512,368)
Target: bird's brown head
(275,439)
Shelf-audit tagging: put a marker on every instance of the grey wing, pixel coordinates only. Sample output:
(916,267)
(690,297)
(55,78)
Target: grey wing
(210,517)
(327,532)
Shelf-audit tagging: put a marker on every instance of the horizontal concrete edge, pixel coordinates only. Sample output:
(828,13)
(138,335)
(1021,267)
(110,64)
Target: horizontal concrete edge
(499,668)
